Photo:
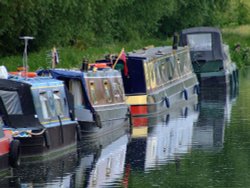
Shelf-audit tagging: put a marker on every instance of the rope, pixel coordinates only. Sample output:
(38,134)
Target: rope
(30,133)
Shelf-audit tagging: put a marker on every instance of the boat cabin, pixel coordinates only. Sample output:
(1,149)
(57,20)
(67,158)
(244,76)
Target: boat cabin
(206,45)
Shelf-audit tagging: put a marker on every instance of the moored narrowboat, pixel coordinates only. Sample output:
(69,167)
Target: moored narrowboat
(99,99)
(210,57)
(158,78)
(37,112)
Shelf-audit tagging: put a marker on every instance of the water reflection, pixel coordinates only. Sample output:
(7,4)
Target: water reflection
(215,115)
(163,140)
(102,161)
(96,163)
(150,155)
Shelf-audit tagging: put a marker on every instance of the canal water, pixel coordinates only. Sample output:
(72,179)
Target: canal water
(203,144)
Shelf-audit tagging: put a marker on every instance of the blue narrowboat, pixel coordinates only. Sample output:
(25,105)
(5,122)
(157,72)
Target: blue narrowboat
(99,99)
(38,113)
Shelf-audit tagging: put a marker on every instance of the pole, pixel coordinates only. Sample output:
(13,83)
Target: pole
(25,54)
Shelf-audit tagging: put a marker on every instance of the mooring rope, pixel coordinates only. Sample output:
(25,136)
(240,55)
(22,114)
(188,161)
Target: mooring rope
(30,133)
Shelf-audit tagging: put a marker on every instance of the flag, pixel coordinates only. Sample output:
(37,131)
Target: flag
(55,57)
(122,56)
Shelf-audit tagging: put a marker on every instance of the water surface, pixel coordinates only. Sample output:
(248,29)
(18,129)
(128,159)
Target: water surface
(198,145)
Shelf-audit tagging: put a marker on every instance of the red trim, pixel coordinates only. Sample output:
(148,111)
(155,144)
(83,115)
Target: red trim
(139,110)
(5,143)
(140,121)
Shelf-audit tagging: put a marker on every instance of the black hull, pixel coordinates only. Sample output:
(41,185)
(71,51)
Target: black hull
(54,140)
(90,130)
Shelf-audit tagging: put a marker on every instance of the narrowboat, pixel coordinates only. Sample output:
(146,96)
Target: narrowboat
(157,78)
(37,111)
(210,57)
(99,99)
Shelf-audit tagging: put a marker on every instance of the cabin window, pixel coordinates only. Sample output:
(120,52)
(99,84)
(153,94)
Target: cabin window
(118,91)
(200,42)
(75,87)
(163,72)
(58,103)
(93,91)
(46,110)
(170,68)
(11,102)
(107,90)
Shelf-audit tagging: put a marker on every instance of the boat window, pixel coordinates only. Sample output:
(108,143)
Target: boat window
(163,72)
(200,42)
(185,62)
(118,91)
(170,68)
(46,110)
(107,90)
(58,103)
(11,102)
(75,87)
(93,91)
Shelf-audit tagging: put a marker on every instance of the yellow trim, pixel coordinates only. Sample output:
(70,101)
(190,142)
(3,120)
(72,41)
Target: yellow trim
(54,121)
(39,87)
(139,131)
(140,99)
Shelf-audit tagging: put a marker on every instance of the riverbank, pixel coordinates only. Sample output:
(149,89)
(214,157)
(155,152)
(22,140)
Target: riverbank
(72,56)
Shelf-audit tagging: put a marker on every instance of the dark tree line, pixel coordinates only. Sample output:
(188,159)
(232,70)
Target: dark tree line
(85,23)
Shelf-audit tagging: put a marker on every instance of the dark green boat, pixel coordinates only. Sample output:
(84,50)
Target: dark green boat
(210,57)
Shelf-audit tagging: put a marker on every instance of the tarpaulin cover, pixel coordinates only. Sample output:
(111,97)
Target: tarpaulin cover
(16,105)
(216,52)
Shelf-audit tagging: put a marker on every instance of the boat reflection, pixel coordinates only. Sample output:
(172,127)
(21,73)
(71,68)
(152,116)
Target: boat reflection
(165,139)
(102,161)
(215,114)
(98,162)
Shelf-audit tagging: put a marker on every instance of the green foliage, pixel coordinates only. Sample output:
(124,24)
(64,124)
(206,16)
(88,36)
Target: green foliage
(88,23)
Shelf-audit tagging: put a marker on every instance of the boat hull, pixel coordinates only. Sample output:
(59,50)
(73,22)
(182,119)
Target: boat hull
(89,130)
(170,96)
(54,141)
(218,79)
(108,120)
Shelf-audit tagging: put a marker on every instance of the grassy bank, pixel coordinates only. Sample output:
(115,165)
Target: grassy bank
(72,56)
(238,36)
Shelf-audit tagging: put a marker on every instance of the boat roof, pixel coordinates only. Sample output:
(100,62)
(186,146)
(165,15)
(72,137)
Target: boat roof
(152,53)
(39,81)
(77,74)
(201,30)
